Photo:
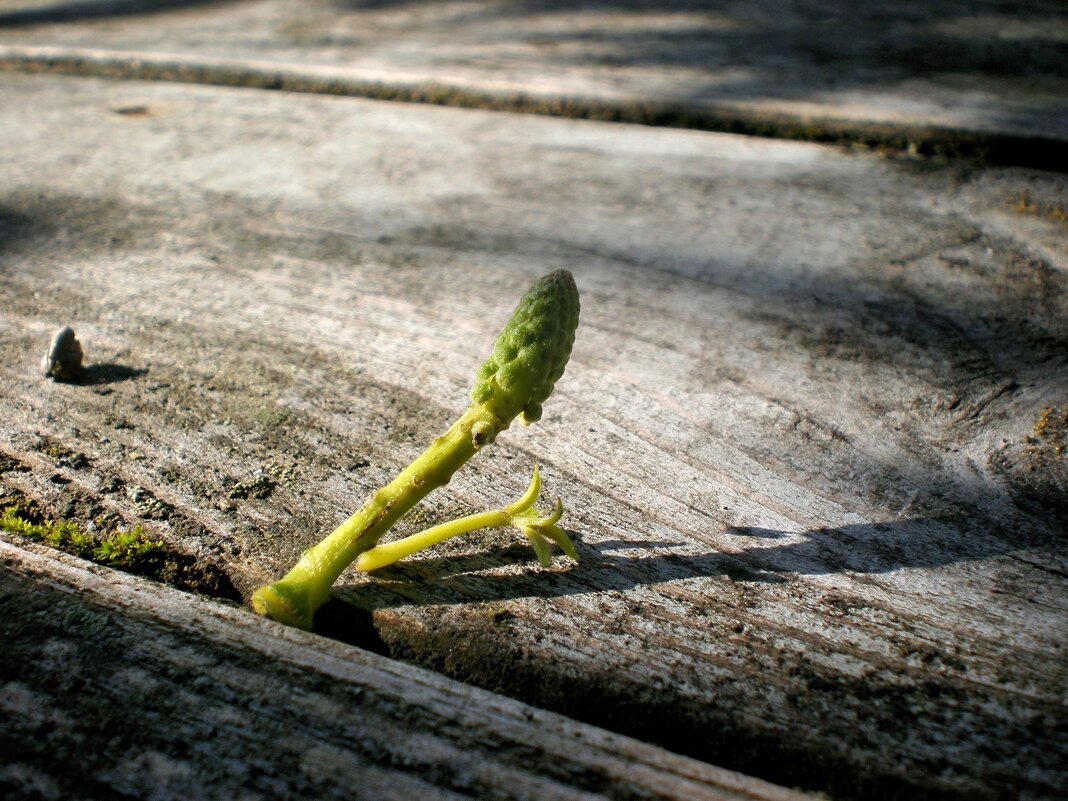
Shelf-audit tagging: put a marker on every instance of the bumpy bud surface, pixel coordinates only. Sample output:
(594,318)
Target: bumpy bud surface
(532,351)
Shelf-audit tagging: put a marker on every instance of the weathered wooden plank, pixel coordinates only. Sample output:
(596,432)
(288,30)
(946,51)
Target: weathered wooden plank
(820,533)
(114,686)
(972,78)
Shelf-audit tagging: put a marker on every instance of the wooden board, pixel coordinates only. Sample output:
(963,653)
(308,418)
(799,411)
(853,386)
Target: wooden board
(116,687)
(957,76)
(821,536)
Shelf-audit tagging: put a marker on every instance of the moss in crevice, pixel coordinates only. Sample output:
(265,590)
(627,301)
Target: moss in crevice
(24,517)
(132,551)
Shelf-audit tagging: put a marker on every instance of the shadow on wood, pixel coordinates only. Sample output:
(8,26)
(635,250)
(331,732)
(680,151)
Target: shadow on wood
(863,548)
(75,12)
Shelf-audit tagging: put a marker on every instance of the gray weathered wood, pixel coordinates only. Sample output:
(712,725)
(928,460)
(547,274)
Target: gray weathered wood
(956,76)
(114,686)
(818,544)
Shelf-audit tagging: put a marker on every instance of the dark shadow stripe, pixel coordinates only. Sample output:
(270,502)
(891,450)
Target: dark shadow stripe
(75,12)
(1037,151)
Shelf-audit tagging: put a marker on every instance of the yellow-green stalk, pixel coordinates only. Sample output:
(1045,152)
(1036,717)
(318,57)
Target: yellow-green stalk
(520,514)
(529,356)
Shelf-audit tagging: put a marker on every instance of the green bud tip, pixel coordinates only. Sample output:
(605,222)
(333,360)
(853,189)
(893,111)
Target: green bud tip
(532,351)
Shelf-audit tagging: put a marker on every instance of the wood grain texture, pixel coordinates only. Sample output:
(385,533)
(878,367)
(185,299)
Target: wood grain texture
(976,77)
(115,687)
(821,538)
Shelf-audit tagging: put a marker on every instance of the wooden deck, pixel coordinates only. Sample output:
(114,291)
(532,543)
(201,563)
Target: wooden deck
(810,443)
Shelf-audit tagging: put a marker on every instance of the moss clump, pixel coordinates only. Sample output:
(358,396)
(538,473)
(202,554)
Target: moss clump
(25,519)
(271,417)
(263,483)
(132,550)
(103,542)
(261,487)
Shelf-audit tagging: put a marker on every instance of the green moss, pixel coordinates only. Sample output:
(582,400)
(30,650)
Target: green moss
(68,537)
(102,541)
(270,417)
(130,550)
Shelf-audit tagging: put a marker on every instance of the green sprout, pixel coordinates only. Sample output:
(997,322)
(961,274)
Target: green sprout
(528,358)
(539,529)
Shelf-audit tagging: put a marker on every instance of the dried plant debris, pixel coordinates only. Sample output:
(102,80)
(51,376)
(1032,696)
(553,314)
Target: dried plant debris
(1049,445)
(63,362)
(1038,467)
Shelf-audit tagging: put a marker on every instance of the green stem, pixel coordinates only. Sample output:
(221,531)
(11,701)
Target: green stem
(519,514)
(528,358)
(295,598)
(383,555)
